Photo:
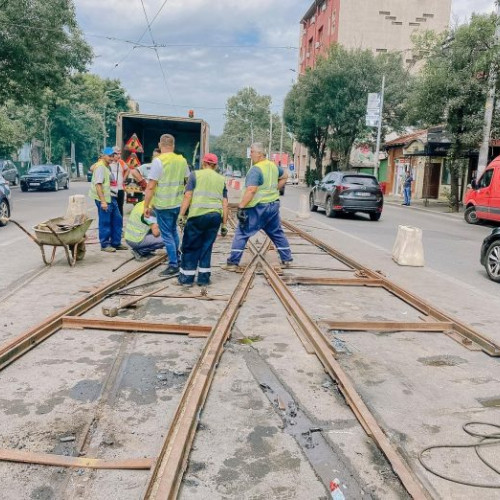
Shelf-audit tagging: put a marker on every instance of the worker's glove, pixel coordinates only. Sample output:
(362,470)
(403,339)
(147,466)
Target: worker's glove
(182,221)
(223,230)
(143,184)
(242,216)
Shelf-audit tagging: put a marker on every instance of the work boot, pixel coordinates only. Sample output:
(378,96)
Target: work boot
(230,267)
(121,247)
(138,257)
(170,271)
(108,249)
(287,264)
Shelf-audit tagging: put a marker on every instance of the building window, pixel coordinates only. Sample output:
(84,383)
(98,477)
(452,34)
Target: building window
(429,15)
(309,47)
(323,5)
(414,24)
(380,50)
(320,35)
(399,23)
(313,19)
(390,17)
(421,19)
(384,12)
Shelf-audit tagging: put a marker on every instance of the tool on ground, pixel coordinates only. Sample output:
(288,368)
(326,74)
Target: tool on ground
(122,264)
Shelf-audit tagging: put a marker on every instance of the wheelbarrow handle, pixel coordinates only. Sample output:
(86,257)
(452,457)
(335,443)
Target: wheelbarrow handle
(34,238)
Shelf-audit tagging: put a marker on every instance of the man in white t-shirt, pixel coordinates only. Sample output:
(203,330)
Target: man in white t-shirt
(120,171)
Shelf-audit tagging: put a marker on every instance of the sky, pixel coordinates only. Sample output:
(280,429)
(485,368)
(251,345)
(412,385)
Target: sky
(213,48)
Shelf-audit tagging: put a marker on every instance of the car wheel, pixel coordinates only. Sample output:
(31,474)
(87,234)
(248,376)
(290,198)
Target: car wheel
(470,215)
(329,211)
(312,206)
(375,217)
(66,186)
(492,261)
(24,188)
(4,212)
(56,186)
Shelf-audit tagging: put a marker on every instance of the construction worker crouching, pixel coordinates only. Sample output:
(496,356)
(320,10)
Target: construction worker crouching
(206,199)
(110,219)
(165,191)
(142,234)
(259,208)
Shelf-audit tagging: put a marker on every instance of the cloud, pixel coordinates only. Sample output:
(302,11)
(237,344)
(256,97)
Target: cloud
(211,49)
(462,9)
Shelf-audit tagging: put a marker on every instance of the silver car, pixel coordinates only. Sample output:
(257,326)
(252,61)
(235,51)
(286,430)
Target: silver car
(5,202)
(9,172)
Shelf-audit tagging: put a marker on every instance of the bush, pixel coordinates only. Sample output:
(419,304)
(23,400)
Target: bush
(311,176)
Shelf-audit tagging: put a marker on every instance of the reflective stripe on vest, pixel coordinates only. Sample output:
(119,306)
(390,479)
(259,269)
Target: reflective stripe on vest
(268,192)
(106,187)
(136,230)
(170,188)
(208,193)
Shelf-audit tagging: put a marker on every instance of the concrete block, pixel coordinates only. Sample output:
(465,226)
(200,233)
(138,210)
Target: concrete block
(408,248)
(304,212)
(77,205)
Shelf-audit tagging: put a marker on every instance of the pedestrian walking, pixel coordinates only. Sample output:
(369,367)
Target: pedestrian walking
(164,192)
(407,188)
(206,200)
(259,208)
(142,234)
(120,172)
(110,219)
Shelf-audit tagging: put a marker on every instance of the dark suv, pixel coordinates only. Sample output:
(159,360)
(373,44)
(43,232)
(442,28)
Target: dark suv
(347,192)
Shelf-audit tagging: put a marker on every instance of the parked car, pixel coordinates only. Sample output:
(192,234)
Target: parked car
(9,172)
(490,254)
(5,201)
(482,199)
(293,178)
(347,192)
(45,177)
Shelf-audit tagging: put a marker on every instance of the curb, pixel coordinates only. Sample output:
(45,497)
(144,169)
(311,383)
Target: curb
(423,209)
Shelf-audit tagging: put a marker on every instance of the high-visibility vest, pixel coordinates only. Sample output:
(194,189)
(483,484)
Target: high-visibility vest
(136,230)
(268,192)
(207,194)
(170,188)
(106,185)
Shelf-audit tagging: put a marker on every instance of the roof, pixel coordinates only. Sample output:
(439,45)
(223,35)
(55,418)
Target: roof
(406,139)
(311,10)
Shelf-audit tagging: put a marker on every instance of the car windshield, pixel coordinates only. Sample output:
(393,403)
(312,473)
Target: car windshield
(360,180)
(42,169)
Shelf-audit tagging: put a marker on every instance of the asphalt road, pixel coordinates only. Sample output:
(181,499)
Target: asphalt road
(20,258)
(451,245)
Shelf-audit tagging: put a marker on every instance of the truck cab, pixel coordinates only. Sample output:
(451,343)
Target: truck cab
(482,199)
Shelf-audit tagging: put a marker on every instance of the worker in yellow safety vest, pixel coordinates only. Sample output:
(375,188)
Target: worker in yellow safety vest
(206,200)
(110,219)
(259,208)
(167,177)
(142,234)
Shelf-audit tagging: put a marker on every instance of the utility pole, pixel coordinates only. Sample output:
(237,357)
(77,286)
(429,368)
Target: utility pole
(281,139)
(270,132)
(488,109)
(379,132)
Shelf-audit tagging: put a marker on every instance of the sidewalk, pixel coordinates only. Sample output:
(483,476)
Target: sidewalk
(433,206)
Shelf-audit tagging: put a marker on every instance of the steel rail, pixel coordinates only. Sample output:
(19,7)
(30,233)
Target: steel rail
(324,353)
(127,325)
(22,344)
(387,326)
(467,334)
(169,468)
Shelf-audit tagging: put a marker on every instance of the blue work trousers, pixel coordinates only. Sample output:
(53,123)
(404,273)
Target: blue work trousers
(199,237)
(265,217)
(110,224)
(167,220)
(407,194)
(148,245)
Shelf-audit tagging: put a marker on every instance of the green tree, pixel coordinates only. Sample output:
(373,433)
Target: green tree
(11,131)
(326,108)
(40,45)
(248,120)
(451,88)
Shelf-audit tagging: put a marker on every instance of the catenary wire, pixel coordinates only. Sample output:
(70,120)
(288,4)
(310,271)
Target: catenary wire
(156,51)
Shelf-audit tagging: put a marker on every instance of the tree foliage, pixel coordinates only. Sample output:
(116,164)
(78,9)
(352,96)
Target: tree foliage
(40,45)
(326,107)
(452,86)
(248,119)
